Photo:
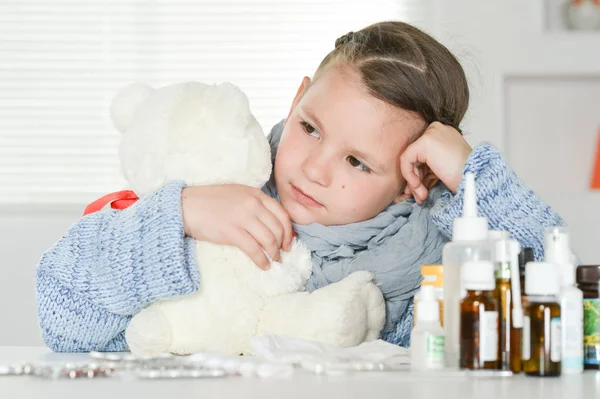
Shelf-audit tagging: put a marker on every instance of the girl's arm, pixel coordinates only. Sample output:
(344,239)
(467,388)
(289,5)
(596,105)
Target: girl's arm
(502,198)
(109,266)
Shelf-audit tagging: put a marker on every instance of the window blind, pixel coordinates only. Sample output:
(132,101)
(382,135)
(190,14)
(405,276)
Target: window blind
(62,61)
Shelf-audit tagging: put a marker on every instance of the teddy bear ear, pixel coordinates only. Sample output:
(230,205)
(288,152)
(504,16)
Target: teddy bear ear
(125,104)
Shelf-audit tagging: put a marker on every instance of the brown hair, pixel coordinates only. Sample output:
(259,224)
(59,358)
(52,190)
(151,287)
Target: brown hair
(407,68)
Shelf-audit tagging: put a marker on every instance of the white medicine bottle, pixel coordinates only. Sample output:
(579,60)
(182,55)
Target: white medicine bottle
(427,337)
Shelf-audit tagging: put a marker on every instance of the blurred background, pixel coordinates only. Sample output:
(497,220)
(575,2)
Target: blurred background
(533,67)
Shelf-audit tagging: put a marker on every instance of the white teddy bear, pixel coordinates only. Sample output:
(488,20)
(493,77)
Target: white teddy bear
(205,134)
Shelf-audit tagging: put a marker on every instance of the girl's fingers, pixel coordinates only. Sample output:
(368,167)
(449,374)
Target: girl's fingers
(281,214)
(265,238)
(409,167)
(247,244)
(273,224)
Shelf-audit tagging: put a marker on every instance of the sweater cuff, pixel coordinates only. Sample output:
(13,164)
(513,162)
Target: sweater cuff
(155,258)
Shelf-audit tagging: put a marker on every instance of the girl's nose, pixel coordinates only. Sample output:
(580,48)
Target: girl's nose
(317,168)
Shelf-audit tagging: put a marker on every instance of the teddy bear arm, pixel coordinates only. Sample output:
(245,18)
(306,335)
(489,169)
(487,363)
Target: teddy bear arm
(345,313)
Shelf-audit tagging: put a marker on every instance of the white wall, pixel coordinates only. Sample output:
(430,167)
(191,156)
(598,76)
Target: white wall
(25,233)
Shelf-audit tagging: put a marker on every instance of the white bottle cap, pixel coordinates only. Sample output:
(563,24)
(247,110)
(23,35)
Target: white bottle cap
(470,227)
(495,235)
(567,274)
(428,305)
(502,250)
(541,278)
(478,275)
(557,248)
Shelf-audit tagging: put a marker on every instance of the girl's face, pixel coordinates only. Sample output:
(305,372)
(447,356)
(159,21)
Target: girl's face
(338,161)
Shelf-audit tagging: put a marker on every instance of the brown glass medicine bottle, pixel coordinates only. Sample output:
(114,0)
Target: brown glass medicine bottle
(541,325)
(478,317)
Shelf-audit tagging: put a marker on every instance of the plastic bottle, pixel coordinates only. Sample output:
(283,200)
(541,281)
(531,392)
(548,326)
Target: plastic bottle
(479,318)
(541,325)
(469,243)
(557,251)
(427,337)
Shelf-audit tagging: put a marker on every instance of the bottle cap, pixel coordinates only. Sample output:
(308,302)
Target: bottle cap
(567,274)
(557,248)
(502,250)
(588,274)
(470,227)
(542,278)
(478,275)
(433,275)
(495,235)
(429,308)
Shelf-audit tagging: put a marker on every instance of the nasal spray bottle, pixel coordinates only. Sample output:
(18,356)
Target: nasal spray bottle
(557,251)
(469,243)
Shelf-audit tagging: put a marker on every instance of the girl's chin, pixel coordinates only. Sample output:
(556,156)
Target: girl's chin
(300,215)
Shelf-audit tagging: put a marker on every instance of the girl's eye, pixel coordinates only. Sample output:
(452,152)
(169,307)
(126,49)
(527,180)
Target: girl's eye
(308,129)
(357,164)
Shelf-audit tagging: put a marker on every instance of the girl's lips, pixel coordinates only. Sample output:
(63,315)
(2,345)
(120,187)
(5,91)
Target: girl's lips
(304,199)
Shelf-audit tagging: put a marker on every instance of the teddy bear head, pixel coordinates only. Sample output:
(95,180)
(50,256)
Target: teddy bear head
(199,133)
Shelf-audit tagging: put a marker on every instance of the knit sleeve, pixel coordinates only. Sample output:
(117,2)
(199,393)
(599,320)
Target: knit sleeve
(502,198)
(109,266)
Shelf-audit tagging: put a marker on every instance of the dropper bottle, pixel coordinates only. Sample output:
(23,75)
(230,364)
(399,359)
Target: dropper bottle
(469,243)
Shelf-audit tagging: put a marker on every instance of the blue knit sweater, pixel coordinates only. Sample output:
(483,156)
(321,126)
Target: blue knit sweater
(112,264)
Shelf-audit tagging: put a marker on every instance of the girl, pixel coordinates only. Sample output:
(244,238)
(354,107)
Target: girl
(368,170)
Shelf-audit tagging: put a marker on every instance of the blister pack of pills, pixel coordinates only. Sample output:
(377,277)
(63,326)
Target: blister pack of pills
(165,366)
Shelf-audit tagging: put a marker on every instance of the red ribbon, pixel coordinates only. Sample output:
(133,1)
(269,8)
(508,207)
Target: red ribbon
(119,200)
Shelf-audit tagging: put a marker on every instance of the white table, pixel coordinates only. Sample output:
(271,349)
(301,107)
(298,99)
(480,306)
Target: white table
(300,385)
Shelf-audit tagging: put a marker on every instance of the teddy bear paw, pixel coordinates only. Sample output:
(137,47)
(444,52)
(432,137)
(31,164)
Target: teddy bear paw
(149,333)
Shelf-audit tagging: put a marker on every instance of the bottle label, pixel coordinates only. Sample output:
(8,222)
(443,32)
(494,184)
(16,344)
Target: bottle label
(571,315)
(526,340)
(434,352)
(591,331)
(488,333)
(555,337)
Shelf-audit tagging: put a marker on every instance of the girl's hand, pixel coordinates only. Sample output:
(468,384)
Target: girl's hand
(440,153)
(237,215)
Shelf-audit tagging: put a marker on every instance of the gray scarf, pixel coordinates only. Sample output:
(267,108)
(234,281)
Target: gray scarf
(393,245)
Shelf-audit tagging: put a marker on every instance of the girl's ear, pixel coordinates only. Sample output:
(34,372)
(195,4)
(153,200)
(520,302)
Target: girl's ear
(301,90)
